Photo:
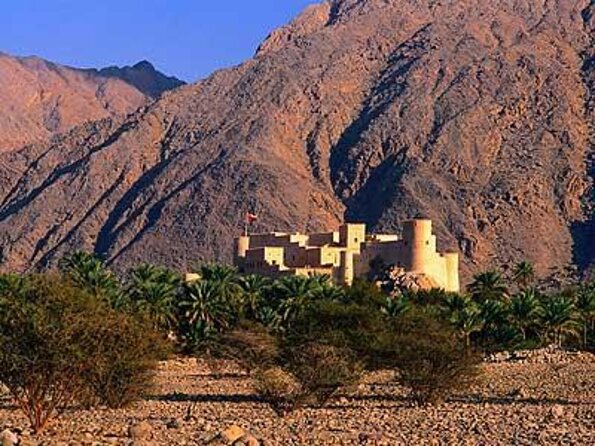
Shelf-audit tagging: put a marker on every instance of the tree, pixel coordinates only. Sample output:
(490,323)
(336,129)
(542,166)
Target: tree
(154,289)
(294,293)
(464,315)
(204,311)
(253,289)
(523,274)
(430,360)
(90,274)
(395,306)
(328,291)
(525,310)
(585,305)
(559,318)
(59,344)
(488,285)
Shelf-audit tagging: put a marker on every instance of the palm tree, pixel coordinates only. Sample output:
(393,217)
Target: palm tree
(585,305)
(525,310)
(523,274)
(89,272)
(253,289)
(203,312)
(396,306)
(226,279)
(488,285)
(12,285)
(454,302)
(559,318)
(329,292)
(494,313)
(294,293)
(154,290)
(464,315)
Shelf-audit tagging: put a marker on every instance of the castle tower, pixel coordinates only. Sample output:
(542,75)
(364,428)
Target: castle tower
(346,269)
(420,245)
(452,272)
(352,235)
(241,246)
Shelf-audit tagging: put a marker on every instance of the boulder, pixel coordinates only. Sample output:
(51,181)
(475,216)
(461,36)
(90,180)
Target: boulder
(229,436)
(8,438)
(141,431)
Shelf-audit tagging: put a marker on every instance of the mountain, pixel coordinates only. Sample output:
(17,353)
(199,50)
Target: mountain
(39,99)
(477,114)
(144,77)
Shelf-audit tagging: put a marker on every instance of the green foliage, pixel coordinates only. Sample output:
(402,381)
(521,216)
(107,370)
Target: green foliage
(321,368)
(488,285)
(289,372)
(294,293)
(42,344)
(124,354)
(525,311)
(90,274)
(430,358)
(204,311)
(57,341)
(523,274)
(154,290)
(254,289)
(585,306)
(464,315)
(559,318)
(396,306)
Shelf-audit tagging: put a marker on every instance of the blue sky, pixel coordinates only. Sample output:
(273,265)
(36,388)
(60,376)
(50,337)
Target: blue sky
(186,38)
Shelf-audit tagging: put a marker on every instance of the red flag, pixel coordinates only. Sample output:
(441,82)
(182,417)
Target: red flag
(251,218)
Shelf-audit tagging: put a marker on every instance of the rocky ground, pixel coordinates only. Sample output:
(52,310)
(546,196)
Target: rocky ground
(543,398)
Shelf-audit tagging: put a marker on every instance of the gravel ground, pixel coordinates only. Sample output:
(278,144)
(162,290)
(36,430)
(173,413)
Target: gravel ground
(547,399)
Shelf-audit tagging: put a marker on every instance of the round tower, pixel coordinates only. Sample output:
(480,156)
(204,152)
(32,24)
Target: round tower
(346,271)
(242,244)
(419,243)
(452,272)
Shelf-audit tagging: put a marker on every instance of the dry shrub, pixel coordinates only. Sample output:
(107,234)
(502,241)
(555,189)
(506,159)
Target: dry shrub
(60,345)
(431,360)
(123,358)
(252,347)
(292,372)
(43,337)
(321,369)
(279,388)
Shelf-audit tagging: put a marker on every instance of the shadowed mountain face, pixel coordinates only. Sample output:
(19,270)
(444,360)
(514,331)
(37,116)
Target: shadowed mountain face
(475,114)
(144,77)
(39,99)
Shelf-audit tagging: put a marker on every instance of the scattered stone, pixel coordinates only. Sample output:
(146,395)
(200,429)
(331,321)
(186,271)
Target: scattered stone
(247,440)
(557,411)
(141,431)
(8,438)
(229,436)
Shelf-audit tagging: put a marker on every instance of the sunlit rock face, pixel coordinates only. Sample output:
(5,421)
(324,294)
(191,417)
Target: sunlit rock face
(39,99)
(474,114)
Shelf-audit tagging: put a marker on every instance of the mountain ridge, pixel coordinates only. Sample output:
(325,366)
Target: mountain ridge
(40,99)
(376,111)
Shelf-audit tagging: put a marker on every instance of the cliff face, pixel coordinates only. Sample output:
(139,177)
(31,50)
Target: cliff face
(39,99)
(475,114)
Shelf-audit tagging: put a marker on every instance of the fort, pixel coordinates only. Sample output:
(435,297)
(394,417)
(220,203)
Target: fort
(349,253)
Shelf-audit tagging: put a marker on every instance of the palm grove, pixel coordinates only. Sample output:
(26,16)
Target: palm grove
(83,337)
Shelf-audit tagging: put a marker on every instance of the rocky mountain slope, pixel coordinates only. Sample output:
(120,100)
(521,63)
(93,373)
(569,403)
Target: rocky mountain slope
(477,114)
(39,99)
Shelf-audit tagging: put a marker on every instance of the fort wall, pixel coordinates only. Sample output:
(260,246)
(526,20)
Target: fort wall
(349,253)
